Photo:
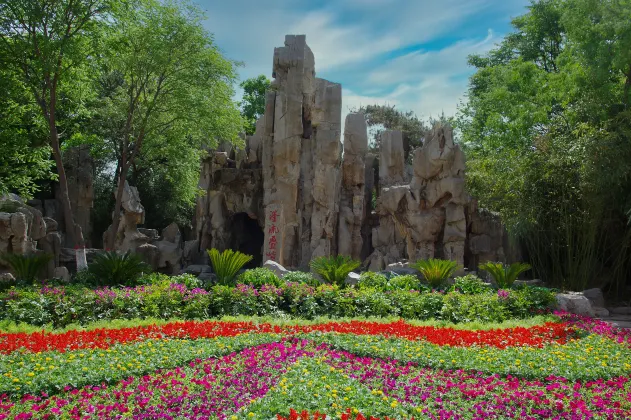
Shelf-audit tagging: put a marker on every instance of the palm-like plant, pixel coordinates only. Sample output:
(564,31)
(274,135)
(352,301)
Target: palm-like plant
(334,270)
(113,269)
(436,271)
(26,267)
(504,275)
(227,264)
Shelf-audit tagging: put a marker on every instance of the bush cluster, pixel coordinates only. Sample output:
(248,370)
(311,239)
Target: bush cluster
(173,298)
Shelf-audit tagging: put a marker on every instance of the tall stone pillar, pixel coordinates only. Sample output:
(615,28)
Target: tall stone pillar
(352,209)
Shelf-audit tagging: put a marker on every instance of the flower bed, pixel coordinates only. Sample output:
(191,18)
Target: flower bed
(104,338)
(61,306)
(354,370)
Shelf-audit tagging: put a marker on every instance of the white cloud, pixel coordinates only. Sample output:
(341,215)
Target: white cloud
(351,39)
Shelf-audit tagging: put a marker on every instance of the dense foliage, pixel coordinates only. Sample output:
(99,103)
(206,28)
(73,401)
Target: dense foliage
(161,298)
(546,131)
(227,264)
(111,268)
(436,271)
(334,269)
(504,275)
(253,102)
(142,83)
(27,268)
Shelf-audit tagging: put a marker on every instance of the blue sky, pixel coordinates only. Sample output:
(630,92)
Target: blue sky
(410,53)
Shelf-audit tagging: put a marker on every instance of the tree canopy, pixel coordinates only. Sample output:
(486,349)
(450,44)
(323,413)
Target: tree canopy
(142,82)
(546,130)
(253,102)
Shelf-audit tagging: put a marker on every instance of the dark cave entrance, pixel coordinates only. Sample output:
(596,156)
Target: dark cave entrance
(248,237)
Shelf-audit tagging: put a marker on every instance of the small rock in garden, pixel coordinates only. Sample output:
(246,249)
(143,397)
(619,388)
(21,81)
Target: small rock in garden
(278,269)
(574,303)
(6,277)
(352,278)
(197,269)
(61,273)
(600,312)
(595,296)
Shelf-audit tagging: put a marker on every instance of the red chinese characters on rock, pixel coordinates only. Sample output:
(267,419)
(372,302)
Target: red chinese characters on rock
(272,231)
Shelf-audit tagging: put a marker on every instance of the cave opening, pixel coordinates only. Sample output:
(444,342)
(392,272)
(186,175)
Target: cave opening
(248,237)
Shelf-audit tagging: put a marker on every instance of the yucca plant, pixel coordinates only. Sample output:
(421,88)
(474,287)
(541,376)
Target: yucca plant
(26,267)
(227,264)
(436,271)
(334,270)
(113,269)
(504,275)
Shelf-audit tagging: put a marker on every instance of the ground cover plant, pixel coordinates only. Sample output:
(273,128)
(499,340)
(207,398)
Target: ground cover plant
(558,367)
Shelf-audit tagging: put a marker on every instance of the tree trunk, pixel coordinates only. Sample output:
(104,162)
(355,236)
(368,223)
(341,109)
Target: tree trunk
(75,235)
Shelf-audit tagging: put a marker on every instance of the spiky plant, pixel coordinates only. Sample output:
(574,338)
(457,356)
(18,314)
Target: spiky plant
(334,270)
(227,264)
(26,267)
(504,275)
(436,271)
(110,268)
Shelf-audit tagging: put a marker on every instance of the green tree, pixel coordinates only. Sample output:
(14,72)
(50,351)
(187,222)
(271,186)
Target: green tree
(386,117)
(166,88)
(253,102)
(23,138)
(546,132)
(48,45)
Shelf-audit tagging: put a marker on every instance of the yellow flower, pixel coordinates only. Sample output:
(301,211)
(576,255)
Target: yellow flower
(250,414)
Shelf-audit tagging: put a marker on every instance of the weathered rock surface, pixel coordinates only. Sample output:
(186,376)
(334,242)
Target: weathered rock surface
(298,196)
(170,250)
(352,278)
(128,237)
(574,303)
(79,166)
(21,226)
(61,273)
(352,206)
(595,296)
(278,269)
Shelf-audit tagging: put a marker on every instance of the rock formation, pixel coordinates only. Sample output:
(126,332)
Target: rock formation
(79,167)
(128,237)
(296,191)
(424,218)
(24,231)
(353,197)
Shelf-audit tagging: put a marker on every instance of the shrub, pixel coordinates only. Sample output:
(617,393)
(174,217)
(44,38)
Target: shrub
(190,281)
(113,269)
(526,300)
(257,277)
(227,264)
(469,308)
(26,267)
(470,285)
(403,282)
(372,280)
(301,277)
(436,271)
(504,275)
(415,305)
(334,269)
(299,300)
